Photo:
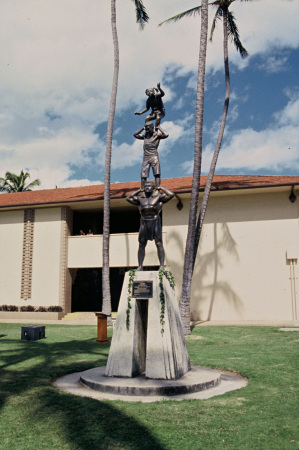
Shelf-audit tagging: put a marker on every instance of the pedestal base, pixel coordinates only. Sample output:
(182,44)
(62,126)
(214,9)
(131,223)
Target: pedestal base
(196,380)
(142,347)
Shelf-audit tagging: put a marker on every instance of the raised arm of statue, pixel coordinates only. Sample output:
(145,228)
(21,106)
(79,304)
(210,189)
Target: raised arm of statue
(138,134)
(165,194)
(162,134)
(160,90)
(133,198)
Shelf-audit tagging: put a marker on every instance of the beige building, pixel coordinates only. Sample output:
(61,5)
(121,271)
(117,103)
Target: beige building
(246,269)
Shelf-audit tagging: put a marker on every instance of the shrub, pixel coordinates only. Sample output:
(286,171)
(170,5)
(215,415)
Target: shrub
(9,308)
(30,308)
(55,309)
(41,309)
(27,308)
(13,308)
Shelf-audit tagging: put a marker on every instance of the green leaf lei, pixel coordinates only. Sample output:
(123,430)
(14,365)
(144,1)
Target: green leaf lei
(129,298)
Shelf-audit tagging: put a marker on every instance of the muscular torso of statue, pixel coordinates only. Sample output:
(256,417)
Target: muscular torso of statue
(149,207)
(150,146)
(150,203)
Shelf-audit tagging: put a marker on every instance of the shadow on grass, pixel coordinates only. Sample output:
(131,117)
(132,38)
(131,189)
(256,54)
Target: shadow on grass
(27,368)
(95,425)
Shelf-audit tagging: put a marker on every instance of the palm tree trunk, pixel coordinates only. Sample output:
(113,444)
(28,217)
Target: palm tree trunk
(208,185)
(106,308)
(188,260)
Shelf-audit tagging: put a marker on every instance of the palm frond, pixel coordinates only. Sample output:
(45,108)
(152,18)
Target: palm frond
(30,185)
(11,176)
(141,15)
(233,34)
(3,187)
(218,15)
(188,13)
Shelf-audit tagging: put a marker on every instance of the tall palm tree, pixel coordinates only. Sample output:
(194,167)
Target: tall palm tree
(17,183)
(230,32)
(141,18)
(188,259)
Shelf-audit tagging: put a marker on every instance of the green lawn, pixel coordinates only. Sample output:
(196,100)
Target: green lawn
(264,415)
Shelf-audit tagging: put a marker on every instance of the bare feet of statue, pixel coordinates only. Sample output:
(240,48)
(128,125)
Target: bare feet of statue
(140,269)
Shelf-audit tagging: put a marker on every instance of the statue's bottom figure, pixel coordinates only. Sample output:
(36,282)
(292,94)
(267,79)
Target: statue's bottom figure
(150,204)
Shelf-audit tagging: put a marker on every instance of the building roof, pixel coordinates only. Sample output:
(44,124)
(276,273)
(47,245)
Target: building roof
(120,190)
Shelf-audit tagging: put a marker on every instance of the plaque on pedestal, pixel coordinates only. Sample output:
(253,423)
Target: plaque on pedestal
(142,289)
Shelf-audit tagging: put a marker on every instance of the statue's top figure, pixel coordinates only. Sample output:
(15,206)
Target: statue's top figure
(154,102)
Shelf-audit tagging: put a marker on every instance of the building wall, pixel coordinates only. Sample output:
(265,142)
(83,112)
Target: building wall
(242,271)
(86,251)
(46,257)
(33,257)
(11,244)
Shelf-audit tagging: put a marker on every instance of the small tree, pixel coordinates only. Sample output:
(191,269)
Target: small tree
(17,183)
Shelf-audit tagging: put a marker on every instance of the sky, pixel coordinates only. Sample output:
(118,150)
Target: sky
(56,68)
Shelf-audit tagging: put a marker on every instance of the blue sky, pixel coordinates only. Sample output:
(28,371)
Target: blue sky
(56,73)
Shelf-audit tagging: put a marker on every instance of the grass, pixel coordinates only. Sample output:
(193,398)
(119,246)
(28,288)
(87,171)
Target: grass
(264,415)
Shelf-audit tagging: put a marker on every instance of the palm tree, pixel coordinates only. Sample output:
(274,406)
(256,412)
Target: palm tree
(230,31)
(16,183)
(188,259)
(141,18)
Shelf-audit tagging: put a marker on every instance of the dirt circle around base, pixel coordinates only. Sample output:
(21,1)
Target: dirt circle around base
(198,383)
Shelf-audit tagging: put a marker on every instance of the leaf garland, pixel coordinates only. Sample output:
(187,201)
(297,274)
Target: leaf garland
(129,298)
(170,278)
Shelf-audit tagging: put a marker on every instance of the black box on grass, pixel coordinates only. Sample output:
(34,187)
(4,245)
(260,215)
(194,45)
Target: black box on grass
(33,333)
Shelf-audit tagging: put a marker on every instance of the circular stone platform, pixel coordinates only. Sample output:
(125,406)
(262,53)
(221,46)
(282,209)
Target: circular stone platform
(207,382)
(196,380)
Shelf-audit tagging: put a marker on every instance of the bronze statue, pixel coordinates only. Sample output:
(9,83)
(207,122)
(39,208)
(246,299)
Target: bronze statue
(154,102)
(150,204)
(151,140)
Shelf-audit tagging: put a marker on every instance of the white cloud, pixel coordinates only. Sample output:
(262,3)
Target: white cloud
(274,64)
(125,155)
(290,114)
(48,156)
(56,59)
(275,148)
(233,114)
(82,182)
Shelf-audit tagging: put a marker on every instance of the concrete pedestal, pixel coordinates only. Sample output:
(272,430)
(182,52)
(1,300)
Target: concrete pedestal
(143,348)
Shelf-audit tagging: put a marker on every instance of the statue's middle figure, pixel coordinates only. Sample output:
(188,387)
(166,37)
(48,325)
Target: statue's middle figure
(151,140)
